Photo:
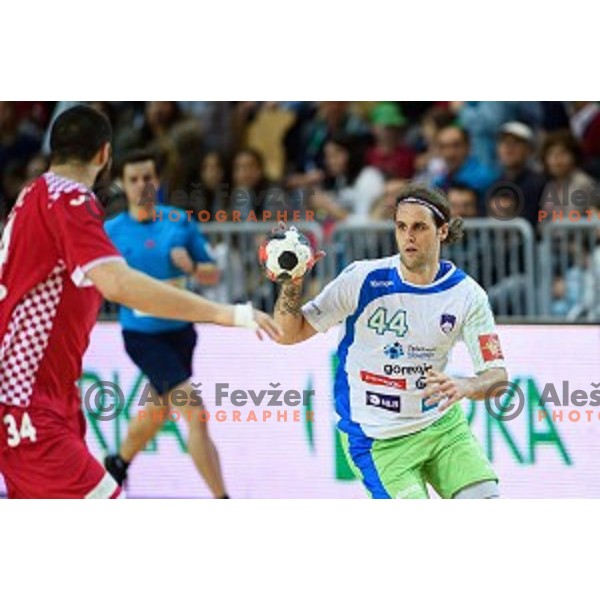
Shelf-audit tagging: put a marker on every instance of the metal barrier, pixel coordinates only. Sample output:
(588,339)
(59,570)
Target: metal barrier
(499,255)
(569,270)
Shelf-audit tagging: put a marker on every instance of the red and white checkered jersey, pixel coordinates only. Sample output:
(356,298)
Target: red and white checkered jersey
(47,305)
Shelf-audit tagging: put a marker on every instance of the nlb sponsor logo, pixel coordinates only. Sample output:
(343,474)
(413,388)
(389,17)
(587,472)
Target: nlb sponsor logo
(384,401)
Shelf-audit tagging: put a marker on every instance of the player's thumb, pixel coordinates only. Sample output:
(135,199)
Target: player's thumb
(317,257)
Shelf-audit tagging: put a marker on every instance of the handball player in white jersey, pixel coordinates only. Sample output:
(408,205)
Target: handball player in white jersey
(399,417)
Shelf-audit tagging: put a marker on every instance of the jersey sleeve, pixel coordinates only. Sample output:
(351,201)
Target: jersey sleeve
(79,235)
(198,246)
(335,303)
(480,335)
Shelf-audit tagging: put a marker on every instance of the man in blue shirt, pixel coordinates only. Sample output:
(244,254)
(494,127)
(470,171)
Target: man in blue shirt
(162,242)
(461,167)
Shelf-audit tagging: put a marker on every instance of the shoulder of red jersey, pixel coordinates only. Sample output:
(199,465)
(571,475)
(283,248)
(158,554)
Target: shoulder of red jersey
(63,189)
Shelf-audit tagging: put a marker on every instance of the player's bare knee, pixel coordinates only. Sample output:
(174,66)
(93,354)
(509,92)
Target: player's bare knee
(197,418)
(150,418)
(183,396)
(482,490)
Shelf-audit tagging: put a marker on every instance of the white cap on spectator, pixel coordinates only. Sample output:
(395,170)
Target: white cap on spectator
(518,130)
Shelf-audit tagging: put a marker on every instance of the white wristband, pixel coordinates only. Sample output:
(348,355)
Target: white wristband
(243,316)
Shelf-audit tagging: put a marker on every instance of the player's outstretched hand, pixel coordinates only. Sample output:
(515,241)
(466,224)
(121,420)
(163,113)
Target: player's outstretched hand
(266,325)
(443,390)
(244,315)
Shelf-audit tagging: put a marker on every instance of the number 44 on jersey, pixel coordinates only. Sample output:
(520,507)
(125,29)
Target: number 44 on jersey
(380,323)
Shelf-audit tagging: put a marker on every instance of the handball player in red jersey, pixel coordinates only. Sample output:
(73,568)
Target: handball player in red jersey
(56,264)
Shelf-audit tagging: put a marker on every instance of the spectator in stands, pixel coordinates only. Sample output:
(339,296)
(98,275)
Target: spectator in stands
(265,131)
(186,147)
(213,183)
(471,250)
(554,116)
(568,188)
(515,153)
(306,141)
(159,118)
(12,180)
(350,188)
(207,190)
(463,201)
(33,117)
(251,189)
(585,125)
(462,168)
(567,293)
(14,176)
(429,164)
(390,154)
(16,147)
(216,122)
(482,120)
(573,289)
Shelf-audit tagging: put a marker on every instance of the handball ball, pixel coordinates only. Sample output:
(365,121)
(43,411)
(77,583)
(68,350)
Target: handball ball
(286,255)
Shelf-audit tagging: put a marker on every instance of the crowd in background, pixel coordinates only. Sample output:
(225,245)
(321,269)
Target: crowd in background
(351,157)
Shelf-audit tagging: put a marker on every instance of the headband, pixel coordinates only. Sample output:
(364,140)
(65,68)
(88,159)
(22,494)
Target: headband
(434,209)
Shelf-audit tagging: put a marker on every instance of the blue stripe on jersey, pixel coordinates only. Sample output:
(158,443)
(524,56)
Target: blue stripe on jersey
(369,293)
(359,447)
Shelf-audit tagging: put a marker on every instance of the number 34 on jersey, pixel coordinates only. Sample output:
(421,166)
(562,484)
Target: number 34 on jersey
(16,432)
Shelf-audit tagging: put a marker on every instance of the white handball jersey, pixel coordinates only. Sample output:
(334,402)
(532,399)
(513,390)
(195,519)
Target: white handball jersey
(393,333)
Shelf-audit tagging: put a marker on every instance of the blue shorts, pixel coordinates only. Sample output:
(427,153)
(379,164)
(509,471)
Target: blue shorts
(164,358)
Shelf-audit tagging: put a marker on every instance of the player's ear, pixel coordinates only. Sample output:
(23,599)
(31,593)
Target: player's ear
(443,231)
(103,156)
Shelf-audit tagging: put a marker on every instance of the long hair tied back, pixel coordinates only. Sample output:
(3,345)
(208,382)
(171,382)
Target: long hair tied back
(435,200)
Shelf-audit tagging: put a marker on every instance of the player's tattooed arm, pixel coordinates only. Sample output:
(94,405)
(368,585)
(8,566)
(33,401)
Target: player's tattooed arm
(288,314)
(290,300)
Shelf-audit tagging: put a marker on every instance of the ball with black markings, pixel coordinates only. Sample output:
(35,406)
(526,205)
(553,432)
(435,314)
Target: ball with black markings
(286,255)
